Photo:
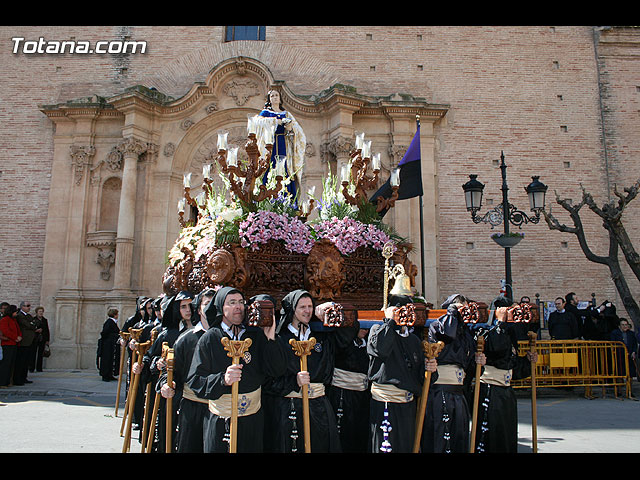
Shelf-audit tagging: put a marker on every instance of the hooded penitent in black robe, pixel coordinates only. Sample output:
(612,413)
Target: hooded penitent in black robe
(191,410)
(144,323)
(497,422)
(349,390)
(206,379)
(287,394)
(172,327)
(396,362)
(447,414)
(130,323)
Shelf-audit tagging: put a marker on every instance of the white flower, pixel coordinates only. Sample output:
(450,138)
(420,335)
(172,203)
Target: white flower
(230,214)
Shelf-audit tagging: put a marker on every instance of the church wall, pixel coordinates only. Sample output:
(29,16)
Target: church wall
(531,92)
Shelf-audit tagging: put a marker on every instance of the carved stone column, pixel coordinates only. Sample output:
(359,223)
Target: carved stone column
(131,149)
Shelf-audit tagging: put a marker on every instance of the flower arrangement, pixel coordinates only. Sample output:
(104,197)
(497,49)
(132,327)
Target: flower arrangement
(348,234)
(223,222)
(263,225)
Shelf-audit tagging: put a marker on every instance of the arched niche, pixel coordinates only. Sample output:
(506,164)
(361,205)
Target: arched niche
(109,204)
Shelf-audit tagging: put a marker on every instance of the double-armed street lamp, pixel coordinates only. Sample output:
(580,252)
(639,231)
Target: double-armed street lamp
(536,191)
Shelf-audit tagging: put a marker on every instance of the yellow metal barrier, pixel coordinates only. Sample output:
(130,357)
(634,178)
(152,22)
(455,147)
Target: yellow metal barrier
(583,363)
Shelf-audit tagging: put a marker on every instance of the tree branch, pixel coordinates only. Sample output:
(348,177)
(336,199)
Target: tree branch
(577,229)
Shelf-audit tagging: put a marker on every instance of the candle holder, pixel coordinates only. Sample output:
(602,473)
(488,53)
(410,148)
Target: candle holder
(255,168)
(357,172)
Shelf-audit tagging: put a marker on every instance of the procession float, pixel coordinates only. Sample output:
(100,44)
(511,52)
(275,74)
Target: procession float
(255,232)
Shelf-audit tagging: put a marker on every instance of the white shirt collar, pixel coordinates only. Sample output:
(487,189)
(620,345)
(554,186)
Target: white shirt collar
(302,336)
(227,329)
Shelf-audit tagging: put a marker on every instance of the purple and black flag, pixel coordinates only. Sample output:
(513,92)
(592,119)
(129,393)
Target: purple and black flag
(410,174)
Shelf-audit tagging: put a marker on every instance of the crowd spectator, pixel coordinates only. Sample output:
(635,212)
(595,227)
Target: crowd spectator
(562,324)
(10,336)
(625,335)
(41,342)
(26,346)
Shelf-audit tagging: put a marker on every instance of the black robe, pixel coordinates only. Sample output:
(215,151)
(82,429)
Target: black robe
(289,436)
(288,411)
(497,422)
(351,406)
(206,378)
(190,413)
(447,414)
(396,360)
(151,374)
(108,350)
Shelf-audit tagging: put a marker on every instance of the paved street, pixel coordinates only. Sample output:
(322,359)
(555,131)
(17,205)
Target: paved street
(73,411)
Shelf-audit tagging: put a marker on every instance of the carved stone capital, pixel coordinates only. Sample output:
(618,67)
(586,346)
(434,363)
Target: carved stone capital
(132,147)
(339,147)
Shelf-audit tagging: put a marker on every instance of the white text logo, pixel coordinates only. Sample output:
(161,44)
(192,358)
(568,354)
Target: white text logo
(42,46)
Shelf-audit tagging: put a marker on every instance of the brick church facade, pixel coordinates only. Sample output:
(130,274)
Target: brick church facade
(95,146)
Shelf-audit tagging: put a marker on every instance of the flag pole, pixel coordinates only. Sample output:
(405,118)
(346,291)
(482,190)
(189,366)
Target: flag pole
(424,291)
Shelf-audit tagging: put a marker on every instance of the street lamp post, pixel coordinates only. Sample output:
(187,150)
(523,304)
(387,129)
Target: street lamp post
(536,191)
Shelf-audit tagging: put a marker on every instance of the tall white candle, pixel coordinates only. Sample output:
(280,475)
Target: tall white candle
(366,149)
(344,176)
(280,163)
(186,180)
(251,124)
(375,161)
(232,157)
(395,177)
(222,140)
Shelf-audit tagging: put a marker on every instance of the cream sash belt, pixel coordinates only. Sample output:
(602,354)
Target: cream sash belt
(315,390)
(496,376)
(248,404)
(450,375)
(390,393)
(350,380)
(189,395)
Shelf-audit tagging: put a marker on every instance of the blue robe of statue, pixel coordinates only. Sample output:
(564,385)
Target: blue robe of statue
(279,148)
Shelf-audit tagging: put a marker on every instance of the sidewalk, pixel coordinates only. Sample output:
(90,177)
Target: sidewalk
(63,383)
(72,411)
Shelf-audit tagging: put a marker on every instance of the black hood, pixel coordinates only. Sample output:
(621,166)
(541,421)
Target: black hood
(289,303)
(399,300)
(145,316)
(197,301)
(451,299)
(214,310)
(171,309)
(166,306)
(211,312)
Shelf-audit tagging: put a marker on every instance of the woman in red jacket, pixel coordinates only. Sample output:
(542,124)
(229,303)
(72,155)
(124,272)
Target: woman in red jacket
(10,335)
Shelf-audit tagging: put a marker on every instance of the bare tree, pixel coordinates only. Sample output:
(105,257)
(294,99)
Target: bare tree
(611,215)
